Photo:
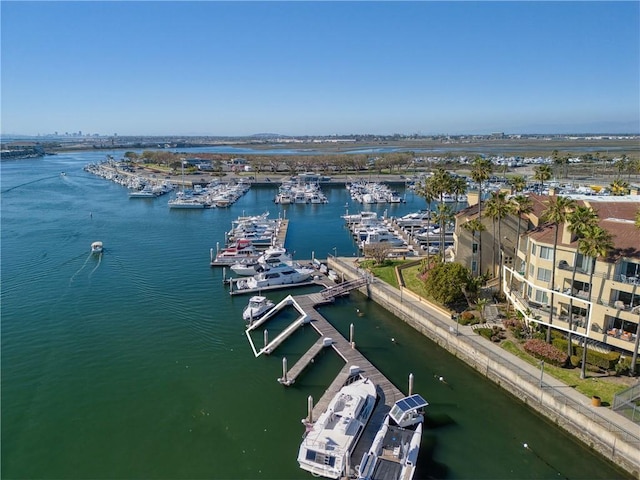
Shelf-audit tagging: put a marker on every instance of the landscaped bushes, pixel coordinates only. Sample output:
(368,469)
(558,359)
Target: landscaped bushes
(494,334)
(605,361)
(544,351)
(468,318)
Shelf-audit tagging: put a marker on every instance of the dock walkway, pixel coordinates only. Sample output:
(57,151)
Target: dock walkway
(388,393)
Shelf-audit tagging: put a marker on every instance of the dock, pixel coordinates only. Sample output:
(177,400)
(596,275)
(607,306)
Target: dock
(329,336)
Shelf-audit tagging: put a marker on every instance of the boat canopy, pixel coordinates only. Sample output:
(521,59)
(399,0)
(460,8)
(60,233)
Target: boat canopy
(407,410)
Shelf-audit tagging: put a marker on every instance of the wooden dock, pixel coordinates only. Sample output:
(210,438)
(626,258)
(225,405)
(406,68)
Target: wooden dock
(388,393)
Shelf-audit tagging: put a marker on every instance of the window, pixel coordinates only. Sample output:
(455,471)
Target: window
(474,266)
(541,297)
(544,274)
(475,248)
(533,249)
(546,252)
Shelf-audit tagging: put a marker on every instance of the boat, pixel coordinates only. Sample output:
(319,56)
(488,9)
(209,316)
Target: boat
(329,441)
(96,247)
(242,249)
(145,192)
(394,451)
(257,307)
(271,257)
(280,275)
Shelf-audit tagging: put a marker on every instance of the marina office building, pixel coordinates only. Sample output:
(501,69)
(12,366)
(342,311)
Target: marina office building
(599,300)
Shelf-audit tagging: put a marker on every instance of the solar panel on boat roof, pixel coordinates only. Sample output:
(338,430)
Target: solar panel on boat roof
(409,403)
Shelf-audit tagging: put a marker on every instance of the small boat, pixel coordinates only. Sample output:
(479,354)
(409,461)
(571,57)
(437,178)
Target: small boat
(329,442)
(394,451)
(96,247)
(257,307)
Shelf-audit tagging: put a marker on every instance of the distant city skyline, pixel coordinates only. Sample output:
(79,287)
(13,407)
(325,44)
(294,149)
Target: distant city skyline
(319,68)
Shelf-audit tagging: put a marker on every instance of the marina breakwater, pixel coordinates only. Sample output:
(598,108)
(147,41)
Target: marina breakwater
(612,435)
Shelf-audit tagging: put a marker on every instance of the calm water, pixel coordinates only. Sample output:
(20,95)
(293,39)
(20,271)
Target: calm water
(136,365)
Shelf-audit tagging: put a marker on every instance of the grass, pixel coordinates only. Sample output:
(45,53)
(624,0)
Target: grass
(591,386)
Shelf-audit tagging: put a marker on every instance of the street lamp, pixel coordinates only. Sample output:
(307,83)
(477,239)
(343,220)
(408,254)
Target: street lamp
(541,371)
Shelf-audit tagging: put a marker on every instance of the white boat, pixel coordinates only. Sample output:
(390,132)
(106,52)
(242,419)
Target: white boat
(242,249)
(280,275)
(96,247)
(257,306)
(146,192)
(271,257)
(394,451)
(329,442)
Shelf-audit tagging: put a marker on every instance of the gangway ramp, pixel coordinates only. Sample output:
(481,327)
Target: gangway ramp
(343,288)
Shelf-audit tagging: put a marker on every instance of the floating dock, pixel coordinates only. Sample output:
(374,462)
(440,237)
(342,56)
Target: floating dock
(388,393)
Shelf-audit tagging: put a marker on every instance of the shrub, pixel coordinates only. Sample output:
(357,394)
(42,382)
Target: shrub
(575,360)
(623,366)
(485,332)
(604,361)
(544,351)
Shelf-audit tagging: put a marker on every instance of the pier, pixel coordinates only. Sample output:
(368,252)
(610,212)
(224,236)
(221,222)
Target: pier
(329,336)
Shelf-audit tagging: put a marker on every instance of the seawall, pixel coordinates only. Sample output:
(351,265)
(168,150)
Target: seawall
(610,434)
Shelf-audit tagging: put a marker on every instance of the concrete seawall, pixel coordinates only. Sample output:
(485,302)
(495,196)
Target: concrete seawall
(610,434)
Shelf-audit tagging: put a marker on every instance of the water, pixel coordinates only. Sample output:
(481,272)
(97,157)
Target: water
(136,365)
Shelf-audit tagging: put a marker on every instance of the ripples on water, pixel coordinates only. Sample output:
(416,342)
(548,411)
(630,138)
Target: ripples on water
(135,364)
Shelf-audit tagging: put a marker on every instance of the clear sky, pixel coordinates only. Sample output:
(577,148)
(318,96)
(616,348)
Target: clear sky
(320,68)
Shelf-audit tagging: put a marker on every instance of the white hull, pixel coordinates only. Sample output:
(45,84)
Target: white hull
(256,308)
(329,441)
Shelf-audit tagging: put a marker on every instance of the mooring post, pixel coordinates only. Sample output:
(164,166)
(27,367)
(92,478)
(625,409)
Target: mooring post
(351,333)
(411,384)
(266,337)
(284,370)
(310,409)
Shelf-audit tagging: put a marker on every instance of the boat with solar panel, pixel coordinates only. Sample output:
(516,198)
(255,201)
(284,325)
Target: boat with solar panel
(394,451)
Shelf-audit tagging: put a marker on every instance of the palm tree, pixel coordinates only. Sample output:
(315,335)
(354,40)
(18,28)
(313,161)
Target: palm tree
(425,190)
(520,205)
(458,187)
(542,173)
(474,226)
(556,213)
(580,221)
(498,207)
(442,216)
(518,183)
(480,172)
(440,184)
(597,242)
(619,187)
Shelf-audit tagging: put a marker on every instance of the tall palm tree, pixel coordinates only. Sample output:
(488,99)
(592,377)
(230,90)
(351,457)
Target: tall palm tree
(425,190)
(556,213)
(458,187)
(518,183)
(442,216)
(596,242)
(580,222)
(542,173)
(520,205)
(481,170)
(440,184)
(500,208)
(474,226)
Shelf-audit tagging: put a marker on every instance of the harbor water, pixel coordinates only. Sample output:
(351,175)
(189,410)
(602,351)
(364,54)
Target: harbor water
(134,364)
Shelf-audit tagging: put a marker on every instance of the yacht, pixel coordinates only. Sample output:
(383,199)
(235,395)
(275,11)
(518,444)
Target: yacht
(394,451)
(271,257)
(242,249)
(329,441)
(280,275)
(257,307)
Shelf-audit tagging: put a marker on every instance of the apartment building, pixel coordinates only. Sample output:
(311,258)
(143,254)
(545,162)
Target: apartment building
(599,300)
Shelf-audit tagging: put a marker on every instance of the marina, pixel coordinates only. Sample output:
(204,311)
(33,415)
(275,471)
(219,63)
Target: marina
(154,366)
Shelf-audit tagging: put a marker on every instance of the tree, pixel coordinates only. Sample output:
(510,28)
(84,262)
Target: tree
(542,173)
(520,205)
(555,213)
(580,221)
(425,190)
(596,242)
(443,215)
(474,226)
(480,172)
(446,281)
(518,183)
(498,207)
(378,251)
(619,187)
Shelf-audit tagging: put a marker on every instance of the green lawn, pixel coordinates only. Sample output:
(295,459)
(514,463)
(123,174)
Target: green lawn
(591,386)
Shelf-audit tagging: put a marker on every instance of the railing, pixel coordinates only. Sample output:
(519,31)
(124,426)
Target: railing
(625,403)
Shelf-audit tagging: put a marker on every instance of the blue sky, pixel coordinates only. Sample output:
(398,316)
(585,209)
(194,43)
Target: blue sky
(319,68)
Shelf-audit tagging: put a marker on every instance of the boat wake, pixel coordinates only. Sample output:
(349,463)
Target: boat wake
(81,268)
(96,267)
